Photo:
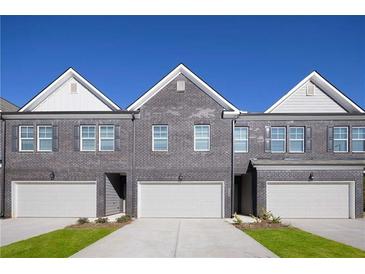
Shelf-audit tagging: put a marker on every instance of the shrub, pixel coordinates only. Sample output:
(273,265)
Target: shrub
(101,220)
(123,219)
(82,221)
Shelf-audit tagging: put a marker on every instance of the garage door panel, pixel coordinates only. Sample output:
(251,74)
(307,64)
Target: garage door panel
(181,200)
(290,200)
(55,199)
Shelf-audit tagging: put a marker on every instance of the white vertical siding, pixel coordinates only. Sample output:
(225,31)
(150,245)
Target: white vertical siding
(299,102)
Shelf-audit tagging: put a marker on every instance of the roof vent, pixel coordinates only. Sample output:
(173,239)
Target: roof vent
(73,88)
(180,86)
(310,89)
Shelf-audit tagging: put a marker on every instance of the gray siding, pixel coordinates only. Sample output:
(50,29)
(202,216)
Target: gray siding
(299,102)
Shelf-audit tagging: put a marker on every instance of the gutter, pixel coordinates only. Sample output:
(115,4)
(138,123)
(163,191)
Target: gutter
(232,167)
(3,130)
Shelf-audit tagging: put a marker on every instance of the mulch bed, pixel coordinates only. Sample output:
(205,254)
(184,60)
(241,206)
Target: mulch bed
(260,225)
(99,225)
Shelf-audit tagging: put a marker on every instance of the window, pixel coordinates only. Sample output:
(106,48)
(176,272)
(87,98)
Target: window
(340,139)
(296,139)
(160,138)
(88,138)
(201,138)
(358,139)
(26,140)
(106,138)
(44,138)
(240,139)
(278,136)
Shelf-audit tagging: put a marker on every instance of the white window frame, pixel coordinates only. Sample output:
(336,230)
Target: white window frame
(271,139)
(106,138)
(235,140)
(43,138)
(81,138)
(347,140)
(159,138)
(20,139)
(201,138)
(352,139)
(303,140)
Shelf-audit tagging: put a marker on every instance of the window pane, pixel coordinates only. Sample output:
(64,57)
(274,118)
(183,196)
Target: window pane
(45,132)
(88,132)
(88,144)
(277,133)
(26,132)
(45,144)
(340,133)
(358,133)
(240,133)
(160,144)
(358,145)
(201,144)
(296,146)
(240,146)
(27,144)
(277,146)
(340,145)
(107,132)
(202,131)
(107,144)
(296,133)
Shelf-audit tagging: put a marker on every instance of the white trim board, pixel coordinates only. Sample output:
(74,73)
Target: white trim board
(70,73)
(336,95)
(182,69)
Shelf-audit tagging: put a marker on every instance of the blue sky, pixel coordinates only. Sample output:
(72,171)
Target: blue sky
(251,60)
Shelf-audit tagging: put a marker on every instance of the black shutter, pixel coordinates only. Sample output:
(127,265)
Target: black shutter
(55,138)
(308,139)
(267,139)
(76,138)
(330,139)
(117,138)
(14,138)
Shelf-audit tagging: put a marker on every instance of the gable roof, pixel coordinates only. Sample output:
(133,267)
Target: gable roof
(182,69)
(68,74)
(336,95)
(6,106)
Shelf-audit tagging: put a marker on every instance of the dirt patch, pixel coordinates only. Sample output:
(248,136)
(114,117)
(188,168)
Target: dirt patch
(95,225)
(259,225)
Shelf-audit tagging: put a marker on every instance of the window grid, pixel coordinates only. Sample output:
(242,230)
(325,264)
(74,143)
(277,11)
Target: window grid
(358,138)
(106,138)
(278,138)
(26,138)
(340,137)
(160,136)
(88,136)
(296,136)
(240,139)
(202,137)
(44,138)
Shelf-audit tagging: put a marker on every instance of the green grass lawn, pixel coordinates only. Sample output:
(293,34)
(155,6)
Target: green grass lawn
(288,242)
(56,244)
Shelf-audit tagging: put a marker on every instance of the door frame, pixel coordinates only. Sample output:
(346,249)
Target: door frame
(139,183)
(351,193)
(14,195)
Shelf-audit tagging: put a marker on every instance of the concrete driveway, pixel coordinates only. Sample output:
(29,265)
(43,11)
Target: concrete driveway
(14,230)
(176,238)
(347,231)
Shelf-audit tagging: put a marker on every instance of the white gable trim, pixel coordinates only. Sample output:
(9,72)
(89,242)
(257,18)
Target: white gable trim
(181,69)
(32,104)
(322,83)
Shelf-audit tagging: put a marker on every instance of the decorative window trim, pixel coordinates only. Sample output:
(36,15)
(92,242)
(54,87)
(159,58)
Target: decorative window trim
(43,138)
(347,140)
(303,140)
(352,140)
(20,138)
(160,138)
(201,138)
(235,140)
(272,139)
(106,138)
(81,138)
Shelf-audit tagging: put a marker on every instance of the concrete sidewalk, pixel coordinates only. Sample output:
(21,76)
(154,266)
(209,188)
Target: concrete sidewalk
(17,229)
(190,238)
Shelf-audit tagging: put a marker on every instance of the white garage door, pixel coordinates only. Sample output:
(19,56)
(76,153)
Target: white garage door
(309,200)
(180,200)
(54,199)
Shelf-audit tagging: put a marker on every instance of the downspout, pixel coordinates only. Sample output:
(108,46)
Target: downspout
(133,158)
(3,130)
(232,166)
